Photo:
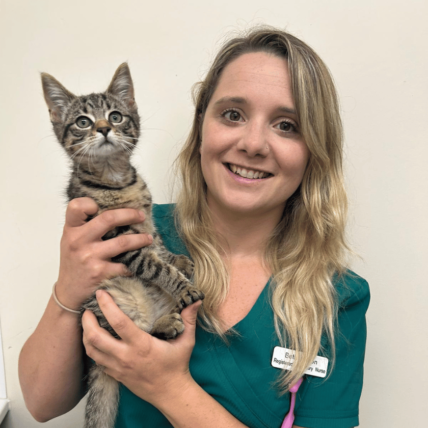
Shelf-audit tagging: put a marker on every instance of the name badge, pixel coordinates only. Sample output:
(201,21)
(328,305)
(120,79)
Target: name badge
(283,358)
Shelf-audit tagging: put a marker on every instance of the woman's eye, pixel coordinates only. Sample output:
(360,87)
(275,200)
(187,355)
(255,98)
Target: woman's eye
(83,122)
(232,115)
(286,127)
(115,117)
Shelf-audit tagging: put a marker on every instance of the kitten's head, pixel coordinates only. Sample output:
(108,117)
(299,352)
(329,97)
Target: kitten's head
(97,126)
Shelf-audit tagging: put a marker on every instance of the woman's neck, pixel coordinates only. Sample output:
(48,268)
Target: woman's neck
(245,234)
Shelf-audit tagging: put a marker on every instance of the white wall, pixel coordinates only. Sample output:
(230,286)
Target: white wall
(377,51)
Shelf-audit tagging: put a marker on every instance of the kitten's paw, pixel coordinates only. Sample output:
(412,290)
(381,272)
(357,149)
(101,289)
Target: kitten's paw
(168,327)
(184,265)
(188,296)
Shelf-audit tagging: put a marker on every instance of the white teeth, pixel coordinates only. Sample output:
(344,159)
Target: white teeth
(247,173)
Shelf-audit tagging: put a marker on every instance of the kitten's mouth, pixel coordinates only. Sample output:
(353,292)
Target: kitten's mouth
(248,173)
(106,147)
(107,143)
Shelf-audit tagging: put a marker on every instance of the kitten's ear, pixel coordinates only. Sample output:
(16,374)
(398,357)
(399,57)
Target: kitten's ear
(56,96)
(121,85)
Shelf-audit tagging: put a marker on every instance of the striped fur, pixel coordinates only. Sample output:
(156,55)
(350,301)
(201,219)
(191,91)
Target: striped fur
(100,146)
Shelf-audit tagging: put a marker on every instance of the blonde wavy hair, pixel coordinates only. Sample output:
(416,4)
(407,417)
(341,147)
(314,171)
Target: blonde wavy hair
(307,247)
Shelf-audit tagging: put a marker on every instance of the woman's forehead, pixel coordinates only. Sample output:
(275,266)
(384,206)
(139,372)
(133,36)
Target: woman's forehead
(257,67)
(257,74)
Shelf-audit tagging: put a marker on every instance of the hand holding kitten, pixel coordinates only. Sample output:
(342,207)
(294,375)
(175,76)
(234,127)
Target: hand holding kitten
(155,370)
(85,258)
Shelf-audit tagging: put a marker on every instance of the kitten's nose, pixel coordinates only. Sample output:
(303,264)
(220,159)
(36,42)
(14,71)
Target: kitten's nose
(104,130)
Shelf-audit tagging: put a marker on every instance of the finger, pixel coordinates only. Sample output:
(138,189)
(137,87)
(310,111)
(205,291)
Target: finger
(78,211)
(100,358)
(189,316)
(95,337)
(123,243)
(110,219)
(120,322)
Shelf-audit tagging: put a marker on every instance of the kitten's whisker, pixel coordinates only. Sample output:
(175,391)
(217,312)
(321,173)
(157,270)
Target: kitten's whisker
(149,117)
(126,142)
(79,144)
(123,140)
(126,149)
(87,141)
(85,150)
(78,152)
(91,152)
(47,136)
(88,148)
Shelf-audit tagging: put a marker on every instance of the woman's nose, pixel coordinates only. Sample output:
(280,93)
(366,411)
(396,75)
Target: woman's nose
(254,140)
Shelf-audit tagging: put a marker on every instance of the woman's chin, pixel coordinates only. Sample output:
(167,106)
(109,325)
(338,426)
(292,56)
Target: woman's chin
(244,208)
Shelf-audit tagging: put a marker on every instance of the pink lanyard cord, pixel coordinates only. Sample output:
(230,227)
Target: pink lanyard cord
(289,418)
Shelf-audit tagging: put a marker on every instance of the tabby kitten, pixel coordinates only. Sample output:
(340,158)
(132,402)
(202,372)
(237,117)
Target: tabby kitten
(99,133)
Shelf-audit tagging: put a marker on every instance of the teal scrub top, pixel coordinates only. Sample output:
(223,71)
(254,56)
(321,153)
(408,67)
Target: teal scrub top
(240,376)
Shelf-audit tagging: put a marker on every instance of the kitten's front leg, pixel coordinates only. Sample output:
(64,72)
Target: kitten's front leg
(181,262)
(150,267)
(169,326)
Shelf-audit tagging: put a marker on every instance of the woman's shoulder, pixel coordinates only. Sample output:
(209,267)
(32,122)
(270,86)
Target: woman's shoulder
(351,289)
(163,211)
(163,218)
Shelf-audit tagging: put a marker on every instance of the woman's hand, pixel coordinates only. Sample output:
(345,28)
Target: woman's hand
(152,369)
(85,258)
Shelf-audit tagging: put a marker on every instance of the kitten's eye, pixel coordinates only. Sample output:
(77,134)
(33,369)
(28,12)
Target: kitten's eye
(115,117)
(83,122)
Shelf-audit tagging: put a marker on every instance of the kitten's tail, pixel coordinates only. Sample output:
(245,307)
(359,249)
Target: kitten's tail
(103,399)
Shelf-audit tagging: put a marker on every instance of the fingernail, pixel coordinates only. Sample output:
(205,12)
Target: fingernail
(99,293)
(150,238)
(142,215)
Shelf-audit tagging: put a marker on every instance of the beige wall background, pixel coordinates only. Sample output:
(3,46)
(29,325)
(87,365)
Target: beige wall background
(377,52)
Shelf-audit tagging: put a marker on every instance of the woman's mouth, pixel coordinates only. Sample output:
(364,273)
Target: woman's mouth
(248,173)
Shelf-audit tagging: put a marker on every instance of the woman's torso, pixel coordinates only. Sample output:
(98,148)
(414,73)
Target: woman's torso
(239,374)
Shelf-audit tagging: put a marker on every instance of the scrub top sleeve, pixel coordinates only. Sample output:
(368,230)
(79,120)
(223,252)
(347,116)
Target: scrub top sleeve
(332,402)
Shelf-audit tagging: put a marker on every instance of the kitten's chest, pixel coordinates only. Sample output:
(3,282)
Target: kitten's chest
(111,199)
(135,196)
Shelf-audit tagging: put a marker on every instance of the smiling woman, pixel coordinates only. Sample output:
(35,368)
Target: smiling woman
(268,105)
(262,213)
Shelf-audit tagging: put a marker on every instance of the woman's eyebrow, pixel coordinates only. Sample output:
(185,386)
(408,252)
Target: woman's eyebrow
(237,100)
(287,110)
(241,100)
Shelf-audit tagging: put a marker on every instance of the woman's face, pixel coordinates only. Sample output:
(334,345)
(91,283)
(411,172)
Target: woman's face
(253,156)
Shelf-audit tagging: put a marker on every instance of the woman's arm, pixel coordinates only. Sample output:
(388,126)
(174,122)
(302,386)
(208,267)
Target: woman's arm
(51,363)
